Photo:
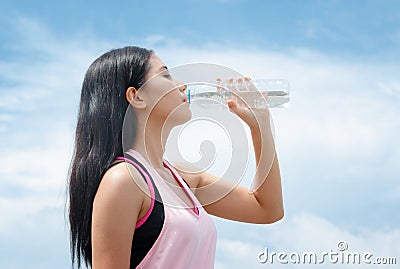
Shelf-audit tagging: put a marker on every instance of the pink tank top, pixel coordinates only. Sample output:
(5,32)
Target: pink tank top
(188,237)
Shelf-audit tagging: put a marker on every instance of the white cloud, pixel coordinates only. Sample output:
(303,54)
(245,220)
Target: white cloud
(236,253)
(38,168)
(300,233)
(33,233)
(316,30)
(390,87)
(306,231)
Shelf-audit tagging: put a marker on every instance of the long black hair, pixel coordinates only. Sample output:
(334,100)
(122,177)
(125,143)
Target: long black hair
(98,137)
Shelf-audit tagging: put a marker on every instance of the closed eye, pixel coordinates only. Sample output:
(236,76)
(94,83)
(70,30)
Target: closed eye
(167,75)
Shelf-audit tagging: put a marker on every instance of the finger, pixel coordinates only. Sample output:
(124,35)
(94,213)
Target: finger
(240,84)
(229,84)
(219,84)
(231,105)
(234,107)
(249,84)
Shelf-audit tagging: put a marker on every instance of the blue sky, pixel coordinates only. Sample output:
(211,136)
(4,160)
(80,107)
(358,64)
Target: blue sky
(337,141)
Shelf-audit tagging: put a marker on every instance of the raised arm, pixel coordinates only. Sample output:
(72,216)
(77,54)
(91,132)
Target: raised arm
(222,198)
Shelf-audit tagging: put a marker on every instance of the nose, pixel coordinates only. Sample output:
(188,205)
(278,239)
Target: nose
(182,86)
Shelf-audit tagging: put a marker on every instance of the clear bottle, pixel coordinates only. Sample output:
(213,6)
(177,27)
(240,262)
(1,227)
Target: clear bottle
(260,93)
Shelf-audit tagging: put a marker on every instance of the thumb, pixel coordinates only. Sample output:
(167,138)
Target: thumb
(235,108)
(232,105)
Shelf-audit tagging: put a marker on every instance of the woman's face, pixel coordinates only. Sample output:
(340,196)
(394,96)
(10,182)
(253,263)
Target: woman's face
(165,96)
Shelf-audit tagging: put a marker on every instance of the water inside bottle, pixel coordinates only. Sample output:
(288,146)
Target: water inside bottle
(270,99)
(212,97)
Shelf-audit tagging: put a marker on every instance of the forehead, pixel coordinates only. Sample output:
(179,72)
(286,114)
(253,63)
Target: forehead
(156,65)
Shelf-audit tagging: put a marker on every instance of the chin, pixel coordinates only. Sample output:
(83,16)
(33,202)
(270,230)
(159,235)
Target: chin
(180,116)
(184,117)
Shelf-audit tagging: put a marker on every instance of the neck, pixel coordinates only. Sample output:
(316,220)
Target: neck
(150,142)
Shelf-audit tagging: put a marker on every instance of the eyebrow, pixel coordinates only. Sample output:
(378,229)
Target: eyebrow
(163,67)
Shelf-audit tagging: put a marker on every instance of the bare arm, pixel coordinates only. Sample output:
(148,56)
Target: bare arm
(222,198)
(116,208)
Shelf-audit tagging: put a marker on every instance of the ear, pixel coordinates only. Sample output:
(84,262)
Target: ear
(134,99)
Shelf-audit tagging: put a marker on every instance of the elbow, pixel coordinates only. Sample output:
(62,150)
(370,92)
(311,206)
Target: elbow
(275,217)
(279,215)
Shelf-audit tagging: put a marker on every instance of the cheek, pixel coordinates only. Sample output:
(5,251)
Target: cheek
(163,96)
(157,91)
(164,101)
(169,101)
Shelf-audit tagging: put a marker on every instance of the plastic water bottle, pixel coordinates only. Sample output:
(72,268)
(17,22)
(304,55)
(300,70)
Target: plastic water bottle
(260,93)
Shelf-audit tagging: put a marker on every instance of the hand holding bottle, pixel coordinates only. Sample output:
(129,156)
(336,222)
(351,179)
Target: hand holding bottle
(252,116)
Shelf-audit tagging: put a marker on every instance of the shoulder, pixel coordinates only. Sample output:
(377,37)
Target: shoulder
(121,184)
(116,208)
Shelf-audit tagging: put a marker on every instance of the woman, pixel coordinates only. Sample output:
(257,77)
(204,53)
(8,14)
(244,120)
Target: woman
(122,198)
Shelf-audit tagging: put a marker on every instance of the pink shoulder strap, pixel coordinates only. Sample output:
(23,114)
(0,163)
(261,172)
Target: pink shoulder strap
(151,188)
